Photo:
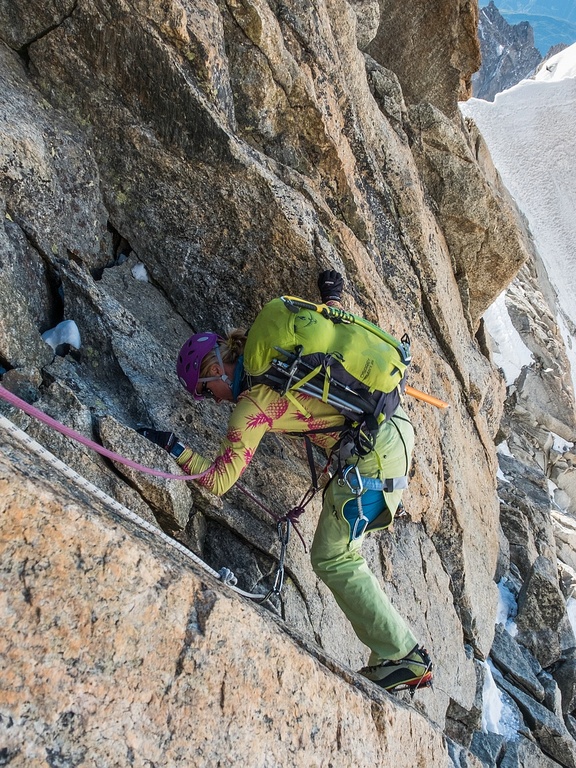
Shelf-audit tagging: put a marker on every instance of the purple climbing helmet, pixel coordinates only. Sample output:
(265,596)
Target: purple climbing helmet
(190,361)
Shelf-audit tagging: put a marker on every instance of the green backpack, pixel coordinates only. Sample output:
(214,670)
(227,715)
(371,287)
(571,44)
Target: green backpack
(333,355)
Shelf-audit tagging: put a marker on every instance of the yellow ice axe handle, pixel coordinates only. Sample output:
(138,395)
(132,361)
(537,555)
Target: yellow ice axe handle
(425,397)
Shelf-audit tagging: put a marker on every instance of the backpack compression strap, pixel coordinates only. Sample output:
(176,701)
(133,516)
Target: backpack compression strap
(338,315)
(342,316)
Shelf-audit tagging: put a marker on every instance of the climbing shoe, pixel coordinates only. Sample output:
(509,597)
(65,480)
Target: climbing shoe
(412,672)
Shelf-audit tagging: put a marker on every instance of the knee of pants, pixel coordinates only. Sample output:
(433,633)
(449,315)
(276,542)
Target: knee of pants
(325,563)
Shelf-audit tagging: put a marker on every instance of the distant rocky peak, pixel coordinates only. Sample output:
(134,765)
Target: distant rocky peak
(508,53)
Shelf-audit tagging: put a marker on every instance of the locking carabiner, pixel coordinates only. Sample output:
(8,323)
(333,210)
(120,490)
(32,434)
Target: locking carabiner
(344,480)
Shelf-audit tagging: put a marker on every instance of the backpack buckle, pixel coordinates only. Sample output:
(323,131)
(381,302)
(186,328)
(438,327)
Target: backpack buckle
(290,368)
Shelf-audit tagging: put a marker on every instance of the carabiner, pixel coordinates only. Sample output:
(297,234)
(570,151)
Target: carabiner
(345,481)
(357,533)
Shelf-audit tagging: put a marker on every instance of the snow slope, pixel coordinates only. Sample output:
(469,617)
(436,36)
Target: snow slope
(530,132)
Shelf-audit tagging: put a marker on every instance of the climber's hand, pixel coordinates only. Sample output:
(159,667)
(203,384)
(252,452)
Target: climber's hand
(331,285)
(165,440)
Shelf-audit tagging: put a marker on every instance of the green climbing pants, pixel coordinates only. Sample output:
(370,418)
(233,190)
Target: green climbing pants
(337,560)
(339,564)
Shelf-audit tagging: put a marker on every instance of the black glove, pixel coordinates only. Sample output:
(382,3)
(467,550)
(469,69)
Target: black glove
(166,440)
(331,285)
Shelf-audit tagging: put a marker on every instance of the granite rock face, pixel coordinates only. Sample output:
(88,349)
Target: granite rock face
(168,168)
(118,651)
(434,50)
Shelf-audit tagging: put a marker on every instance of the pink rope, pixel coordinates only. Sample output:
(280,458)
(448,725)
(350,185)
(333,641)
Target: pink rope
(22,405)
(71,433)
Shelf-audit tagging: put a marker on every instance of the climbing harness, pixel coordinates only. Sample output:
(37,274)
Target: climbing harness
(368,501)
(358,483)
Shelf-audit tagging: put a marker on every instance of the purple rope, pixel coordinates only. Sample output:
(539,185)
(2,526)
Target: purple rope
(291,516)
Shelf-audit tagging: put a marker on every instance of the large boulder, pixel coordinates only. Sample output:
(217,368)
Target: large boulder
(543,624)
(441,33)
(471,202)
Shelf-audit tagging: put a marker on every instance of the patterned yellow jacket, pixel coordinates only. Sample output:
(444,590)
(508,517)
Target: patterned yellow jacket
(261,410)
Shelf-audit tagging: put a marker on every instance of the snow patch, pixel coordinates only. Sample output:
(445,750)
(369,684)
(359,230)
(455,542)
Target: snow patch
(491,703)
(569,344)
(507,608)
(510,353)
(504,450)
(560,444)
(65,332)
(497,714)
(139,272)
(571,611)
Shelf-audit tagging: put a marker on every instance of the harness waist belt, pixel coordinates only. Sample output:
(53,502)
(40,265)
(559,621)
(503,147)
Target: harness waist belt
(375,484)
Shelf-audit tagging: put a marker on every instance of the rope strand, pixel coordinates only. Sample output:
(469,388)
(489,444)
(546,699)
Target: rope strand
(71,433)
(225,575)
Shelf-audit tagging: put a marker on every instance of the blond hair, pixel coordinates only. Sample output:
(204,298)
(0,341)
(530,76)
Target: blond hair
(230,348)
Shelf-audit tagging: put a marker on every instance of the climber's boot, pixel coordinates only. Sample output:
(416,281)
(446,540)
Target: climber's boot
(412,672)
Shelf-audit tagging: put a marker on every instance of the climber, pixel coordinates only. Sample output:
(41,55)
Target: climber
(354,500)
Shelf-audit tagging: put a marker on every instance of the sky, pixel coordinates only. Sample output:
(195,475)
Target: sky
(529,130)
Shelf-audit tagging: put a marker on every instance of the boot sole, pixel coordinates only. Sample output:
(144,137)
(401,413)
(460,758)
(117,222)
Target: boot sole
(425,681)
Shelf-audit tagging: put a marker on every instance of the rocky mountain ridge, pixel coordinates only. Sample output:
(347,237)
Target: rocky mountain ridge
(168,168)
(508,53)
